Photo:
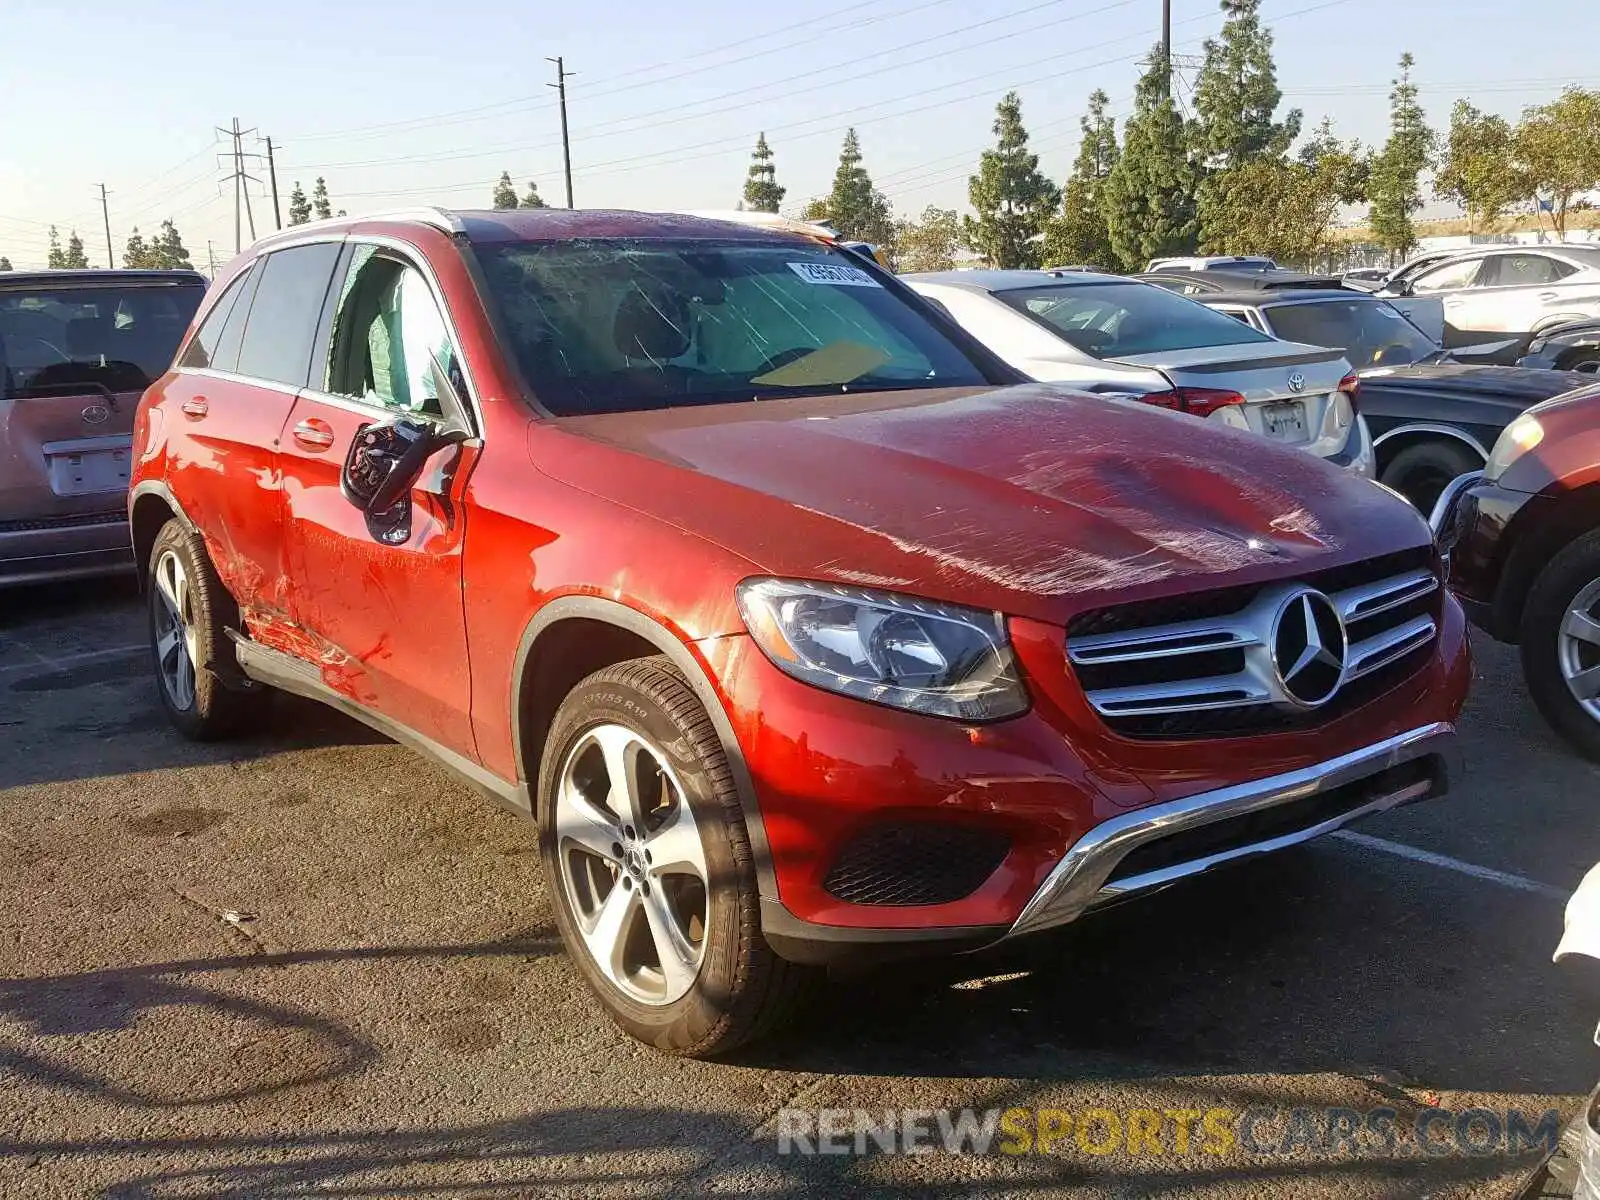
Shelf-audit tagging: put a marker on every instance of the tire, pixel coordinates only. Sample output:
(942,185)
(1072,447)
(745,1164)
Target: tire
(738,989)
(1586,361)
(1552,649)
(188,638)
(1421,471)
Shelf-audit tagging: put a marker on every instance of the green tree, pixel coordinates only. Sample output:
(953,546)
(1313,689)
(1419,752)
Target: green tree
(1013,199)
(5,263)
(1236,102)
(1150,193)
(532,199)
(299,206)
(1079,233)
(854,208)
(1285,208)
(929,243)
(320,204)
(1478,169)
(168,248)
(1558,147)
(762,192)
(56,259)
(505,195)
(1395,188)
(137,253)
(75,258)
(1236,96)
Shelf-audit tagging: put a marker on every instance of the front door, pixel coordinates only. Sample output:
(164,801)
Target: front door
(380,609)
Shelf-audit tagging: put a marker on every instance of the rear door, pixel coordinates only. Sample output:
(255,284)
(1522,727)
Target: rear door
(1516,289)
(75,355)
(227,407)
(382,607)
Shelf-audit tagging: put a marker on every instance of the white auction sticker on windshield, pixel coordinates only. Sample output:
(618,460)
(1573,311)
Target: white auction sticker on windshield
(815,272)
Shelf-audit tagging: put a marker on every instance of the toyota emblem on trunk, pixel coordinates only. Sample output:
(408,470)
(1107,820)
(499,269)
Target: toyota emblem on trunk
(1309,648)
(96,414)
(1297,382)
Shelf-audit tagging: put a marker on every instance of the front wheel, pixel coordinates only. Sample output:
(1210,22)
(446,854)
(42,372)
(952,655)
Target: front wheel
(1422,471)
(1561,643)
(650,866)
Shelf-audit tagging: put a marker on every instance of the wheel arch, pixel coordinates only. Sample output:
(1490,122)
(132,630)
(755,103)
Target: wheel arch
(572,637)
(1572,515)
(150,507)
(1414,433)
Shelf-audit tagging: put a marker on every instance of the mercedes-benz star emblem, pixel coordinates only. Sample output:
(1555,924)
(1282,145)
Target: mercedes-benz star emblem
(1308,648)
(96,414)
(1297,382)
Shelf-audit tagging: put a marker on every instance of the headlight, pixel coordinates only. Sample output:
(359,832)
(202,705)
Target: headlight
(901,651)
(1516,439)
(1537,345)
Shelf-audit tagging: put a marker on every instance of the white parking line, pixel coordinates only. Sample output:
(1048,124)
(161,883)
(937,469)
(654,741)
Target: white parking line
(1451,864)
(68,660)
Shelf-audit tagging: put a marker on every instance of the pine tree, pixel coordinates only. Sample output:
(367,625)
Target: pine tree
(1395,188)
(1236,96)
(1150,193)
(5,263)
(320,204)
(168,249)
(55,260)
(505,195)
(532,199)
(762,192)
(1236,102)
(75,258)
(137,254)
(1080,234)
(1013,200)
(855,209)
(299,206)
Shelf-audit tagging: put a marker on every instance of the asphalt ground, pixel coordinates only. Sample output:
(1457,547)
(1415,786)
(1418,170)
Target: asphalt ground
(309,963)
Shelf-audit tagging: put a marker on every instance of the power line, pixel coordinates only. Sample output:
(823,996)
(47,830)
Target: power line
(240,179)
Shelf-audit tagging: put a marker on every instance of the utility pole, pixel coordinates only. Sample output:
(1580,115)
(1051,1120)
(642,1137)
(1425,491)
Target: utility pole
(211,258)
(241,181)
(560,85)
(1166,47)
(272,174)
(105,211)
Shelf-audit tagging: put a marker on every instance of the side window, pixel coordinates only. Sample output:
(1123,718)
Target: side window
(201,351)
(283,318)
(1238,314)
(1528,270)
(387,335)
(1449,277)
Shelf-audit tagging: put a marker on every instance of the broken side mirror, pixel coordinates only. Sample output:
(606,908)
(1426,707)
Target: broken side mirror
(386,458)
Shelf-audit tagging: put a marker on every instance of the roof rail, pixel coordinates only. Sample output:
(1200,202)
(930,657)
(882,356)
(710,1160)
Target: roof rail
(426,214)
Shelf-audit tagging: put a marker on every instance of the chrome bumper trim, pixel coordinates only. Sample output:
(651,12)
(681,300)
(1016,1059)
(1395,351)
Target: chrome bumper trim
(1078,882)
(1447,500)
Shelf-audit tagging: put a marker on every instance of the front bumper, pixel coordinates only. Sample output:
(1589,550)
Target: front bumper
(55,548)
(1205,831)
(1469,526)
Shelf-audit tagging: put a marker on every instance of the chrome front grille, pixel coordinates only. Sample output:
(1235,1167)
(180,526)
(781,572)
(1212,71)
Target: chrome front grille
(1265,663)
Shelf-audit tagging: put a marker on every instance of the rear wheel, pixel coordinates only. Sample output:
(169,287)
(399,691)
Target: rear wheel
(1585,360)
(1422,471)
(1561,643)
(650,866)
(190,612)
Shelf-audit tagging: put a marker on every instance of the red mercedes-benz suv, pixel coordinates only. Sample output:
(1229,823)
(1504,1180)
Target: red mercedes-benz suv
(802,627)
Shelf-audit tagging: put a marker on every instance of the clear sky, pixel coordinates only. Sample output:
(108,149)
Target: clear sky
(406,102)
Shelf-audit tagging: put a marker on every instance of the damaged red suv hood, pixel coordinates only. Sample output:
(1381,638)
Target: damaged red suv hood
(1028,500)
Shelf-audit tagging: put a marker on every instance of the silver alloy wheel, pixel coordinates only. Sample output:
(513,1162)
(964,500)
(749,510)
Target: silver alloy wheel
(1578,649)
(176,641)
(630,857)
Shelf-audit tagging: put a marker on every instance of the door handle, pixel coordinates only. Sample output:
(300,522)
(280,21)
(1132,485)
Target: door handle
(313,434)
(195,406)
(1549,297)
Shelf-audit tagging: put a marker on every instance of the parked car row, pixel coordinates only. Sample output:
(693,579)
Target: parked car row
(804,616)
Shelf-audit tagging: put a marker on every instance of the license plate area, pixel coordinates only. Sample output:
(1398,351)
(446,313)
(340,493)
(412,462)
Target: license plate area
(88,466)
(1284,420)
